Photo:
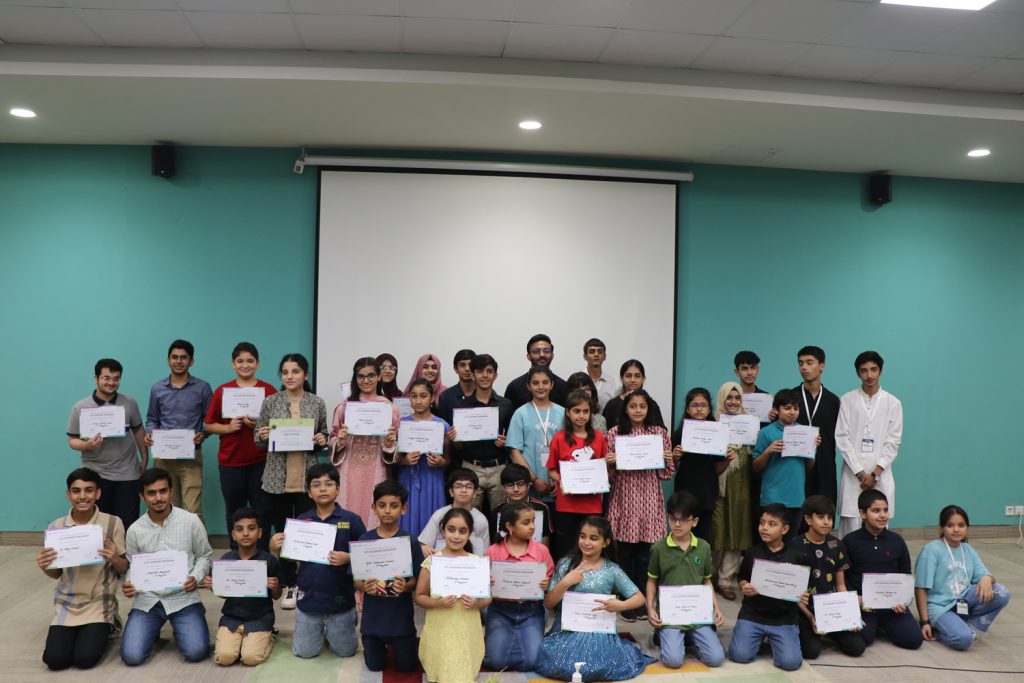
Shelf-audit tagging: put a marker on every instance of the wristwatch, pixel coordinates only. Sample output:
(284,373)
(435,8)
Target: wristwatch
(925,622)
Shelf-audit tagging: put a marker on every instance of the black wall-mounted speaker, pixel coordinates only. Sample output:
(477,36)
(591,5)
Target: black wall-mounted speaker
(879,189)
(164,164)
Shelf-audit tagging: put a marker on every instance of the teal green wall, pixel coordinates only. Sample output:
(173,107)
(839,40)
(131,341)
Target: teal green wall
(100,258)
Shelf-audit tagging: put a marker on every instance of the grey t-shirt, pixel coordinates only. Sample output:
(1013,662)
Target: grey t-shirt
(116,459)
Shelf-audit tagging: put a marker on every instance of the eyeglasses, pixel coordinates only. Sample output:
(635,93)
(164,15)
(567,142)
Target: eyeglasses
(388,367)
(542,350)
(366,378)
(463,487)
(680,520)
(516,485)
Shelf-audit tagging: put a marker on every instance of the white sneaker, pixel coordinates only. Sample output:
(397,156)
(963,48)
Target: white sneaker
(289,600)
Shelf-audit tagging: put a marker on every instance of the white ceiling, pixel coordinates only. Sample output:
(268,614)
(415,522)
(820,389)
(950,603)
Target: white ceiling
(819,84)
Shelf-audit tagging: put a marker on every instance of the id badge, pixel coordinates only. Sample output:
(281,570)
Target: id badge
(867,445)
(544,450)
(961,608)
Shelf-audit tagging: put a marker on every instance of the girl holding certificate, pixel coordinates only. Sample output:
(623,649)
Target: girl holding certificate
(636,506)
(956,594)
(428,368)
(452,640)
(697,472)
(422,474)
(388,387)
(362,459)
(730,526)
(589,569)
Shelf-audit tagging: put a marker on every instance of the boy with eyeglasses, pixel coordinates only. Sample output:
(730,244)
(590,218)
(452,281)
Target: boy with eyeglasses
(515,479)
(462,485)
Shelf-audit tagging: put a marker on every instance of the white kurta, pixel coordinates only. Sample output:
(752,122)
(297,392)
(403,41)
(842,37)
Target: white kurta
(879,418)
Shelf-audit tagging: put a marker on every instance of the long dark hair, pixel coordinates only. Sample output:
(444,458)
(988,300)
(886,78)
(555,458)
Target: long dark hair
(602,525)
(388,390)
(574,399)
(364,362)
(510,512)
(581,380)
(625,425)
(466,517)
(299,360)
(948,512)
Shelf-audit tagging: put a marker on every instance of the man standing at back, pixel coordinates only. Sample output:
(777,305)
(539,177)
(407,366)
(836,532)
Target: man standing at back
(595,353)
(539,351)
(819,408)
(180,402)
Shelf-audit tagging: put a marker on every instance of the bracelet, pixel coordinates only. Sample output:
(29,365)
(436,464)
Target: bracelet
(925,622)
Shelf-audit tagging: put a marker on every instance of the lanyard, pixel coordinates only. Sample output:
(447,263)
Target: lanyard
(807,407)
(956,573)
(870,408)
(544,424)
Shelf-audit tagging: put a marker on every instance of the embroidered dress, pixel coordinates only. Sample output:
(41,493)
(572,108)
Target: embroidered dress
(361,465)
(636,506)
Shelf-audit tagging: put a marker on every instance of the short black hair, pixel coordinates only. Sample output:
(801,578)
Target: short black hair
(776,510)
(84,474)
(818,505)
(390,487)
(107,363)
(481,361)
(242,347)
(867,357)
(539,338)
(463,354)
(152,476)
(462,474)
(866,498)
(746,358)
(815,351)
(683,503)
(244,513)
(594,341)
(786,397)
(320,469)
(184,346)
(514,472)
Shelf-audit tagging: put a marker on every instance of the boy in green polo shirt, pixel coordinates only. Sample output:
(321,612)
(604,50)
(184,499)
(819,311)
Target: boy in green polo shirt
(682,559)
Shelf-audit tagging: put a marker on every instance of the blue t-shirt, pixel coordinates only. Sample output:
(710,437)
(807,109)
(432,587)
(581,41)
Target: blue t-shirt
(527,434)
(386,613)
(324,588)
(782,481)
(947,573)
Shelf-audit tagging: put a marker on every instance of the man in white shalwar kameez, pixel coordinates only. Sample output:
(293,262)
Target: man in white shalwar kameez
(868,435)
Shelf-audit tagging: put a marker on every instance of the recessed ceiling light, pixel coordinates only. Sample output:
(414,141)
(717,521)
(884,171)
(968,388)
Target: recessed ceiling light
(23,113)
(980,152)
(943,4)
(529,125)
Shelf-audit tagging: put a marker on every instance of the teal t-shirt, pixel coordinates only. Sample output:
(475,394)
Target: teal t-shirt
(527,433)
(782,481)
(947,573)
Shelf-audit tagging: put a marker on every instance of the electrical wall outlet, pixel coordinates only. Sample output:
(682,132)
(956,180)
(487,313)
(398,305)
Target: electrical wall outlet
(1010,510)
(1018,510)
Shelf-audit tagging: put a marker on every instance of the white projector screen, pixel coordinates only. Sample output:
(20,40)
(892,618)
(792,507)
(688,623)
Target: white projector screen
(414,263)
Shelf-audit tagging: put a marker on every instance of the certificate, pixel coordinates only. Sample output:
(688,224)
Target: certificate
(518,580)
(381,559)
(798,441)
(586,476)
(758,404)
(174,444)
(685,605)
(105,421)
(240,578)
(462,575)
(404,406)
(704,436)
(885,591)
(291,435)
(75,545)
(743,429)
(837,612)
(578,613)
(368,418)
(475,424)
(164,570)
(242,402)
(645,452)
(780,580)
(426,436)
(308,541)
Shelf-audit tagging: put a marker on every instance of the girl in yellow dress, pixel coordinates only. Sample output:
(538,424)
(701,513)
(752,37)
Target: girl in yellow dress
(452,642)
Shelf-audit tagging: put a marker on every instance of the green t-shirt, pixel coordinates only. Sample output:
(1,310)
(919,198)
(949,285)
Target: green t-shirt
(674,566)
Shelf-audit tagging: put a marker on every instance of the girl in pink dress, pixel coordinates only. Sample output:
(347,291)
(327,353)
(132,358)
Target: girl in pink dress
(362,460)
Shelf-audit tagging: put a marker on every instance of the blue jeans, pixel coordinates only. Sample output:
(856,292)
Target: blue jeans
(513,635)
(310,629)
(704,638)
(785,641)
(191,634)
(954,631)
(241,487)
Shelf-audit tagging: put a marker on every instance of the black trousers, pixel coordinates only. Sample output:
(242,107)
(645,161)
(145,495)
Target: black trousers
(635,560)
(80,646)
(902,629)
(848,642)
(121,499)
(241,487)
(281,506)
(567,533)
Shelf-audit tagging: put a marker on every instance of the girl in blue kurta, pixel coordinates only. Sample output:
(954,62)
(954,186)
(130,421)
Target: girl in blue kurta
(422,474)
(588,569)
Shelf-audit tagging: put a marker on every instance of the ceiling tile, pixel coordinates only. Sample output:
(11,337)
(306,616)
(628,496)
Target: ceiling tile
(798,21)
(540,41)
(246,30)
(749,56)
(1006,75)
(453,37)
(387,8)
(839,63)
(981,35)
(894,27)
(708,17)
(112,4)
(137,28)
(572,12)
(349,33)
(498,10)
(654,48)
(44,26)
(935,71)
(233,5)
